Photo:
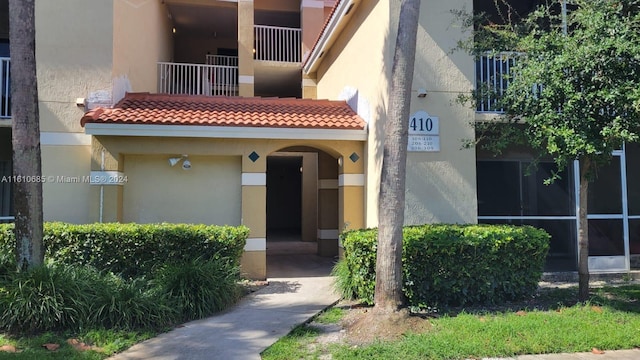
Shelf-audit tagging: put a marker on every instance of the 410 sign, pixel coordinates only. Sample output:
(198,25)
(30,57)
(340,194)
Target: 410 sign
(422,123)
(424,132)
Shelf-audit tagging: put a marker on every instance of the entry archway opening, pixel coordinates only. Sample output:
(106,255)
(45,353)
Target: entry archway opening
(302,208)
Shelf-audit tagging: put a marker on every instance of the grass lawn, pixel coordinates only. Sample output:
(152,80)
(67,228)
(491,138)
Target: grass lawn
(547,324)
(104,343)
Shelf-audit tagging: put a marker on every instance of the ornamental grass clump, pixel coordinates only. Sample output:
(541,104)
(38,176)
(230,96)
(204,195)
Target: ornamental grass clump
(47,297)
(69,297)
(199,287)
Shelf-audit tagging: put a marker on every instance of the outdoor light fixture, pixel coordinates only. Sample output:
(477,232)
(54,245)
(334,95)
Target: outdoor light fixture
(422,93)
(186,164)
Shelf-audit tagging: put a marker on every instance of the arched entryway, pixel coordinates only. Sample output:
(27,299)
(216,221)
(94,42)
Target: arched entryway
(302,212)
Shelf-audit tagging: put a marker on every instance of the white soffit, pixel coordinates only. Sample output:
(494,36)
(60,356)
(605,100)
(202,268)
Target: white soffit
(220,132)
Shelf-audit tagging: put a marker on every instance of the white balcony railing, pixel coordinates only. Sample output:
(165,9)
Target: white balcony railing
(275,43)
(493,72)
(197,79)
(222,60)
(5,89)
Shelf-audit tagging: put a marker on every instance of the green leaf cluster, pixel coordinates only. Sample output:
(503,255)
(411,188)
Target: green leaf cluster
(574,91)
(133,250)
(450,265)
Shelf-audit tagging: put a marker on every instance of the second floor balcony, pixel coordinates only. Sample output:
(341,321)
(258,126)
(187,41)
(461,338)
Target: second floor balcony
(276,43)
(277,55)
(493,72)
(218,77)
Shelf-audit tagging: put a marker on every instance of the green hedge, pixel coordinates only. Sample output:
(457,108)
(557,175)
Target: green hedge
(450,265)
(134,249)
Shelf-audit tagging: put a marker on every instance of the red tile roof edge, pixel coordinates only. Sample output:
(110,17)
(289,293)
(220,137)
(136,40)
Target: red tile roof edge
(341,120)
(324,28)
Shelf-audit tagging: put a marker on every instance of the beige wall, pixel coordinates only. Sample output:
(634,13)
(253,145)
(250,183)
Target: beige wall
(74,58)
(67,196)
(138,201)
(440,185)
(141,37)
(209,193)
(246,40)
(357,60)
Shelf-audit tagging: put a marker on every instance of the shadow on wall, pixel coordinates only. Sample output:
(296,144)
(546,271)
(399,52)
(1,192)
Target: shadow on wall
(444,67)
(442,187)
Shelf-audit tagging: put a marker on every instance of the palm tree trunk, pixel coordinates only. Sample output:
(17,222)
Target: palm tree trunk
(388,295)
(27,168)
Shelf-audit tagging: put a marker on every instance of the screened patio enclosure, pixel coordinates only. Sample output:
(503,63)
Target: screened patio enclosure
(511,190)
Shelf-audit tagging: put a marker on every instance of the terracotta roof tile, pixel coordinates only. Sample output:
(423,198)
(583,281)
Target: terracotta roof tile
(162,109)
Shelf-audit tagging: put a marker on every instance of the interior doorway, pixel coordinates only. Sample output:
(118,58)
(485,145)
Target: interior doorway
(296,212)
(284,198)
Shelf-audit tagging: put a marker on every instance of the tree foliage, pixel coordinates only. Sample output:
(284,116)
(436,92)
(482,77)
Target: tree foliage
(575,94)
(573,91)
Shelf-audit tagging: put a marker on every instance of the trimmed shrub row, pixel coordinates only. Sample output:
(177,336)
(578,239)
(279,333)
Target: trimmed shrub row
(134,249)
(450,265)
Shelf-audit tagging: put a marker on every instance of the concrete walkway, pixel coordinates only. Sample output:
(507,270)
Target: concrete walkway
(244,331)
(607,355)
(299,288)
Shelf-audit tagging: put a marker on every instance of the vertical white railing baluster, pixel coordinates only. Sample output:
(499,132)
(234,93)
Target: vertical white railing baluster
(275,43)
(198,79)
(492,76)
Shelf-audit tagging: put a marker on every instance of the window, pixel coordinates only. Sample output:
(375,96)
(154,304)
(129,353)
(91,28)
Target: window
(513,192)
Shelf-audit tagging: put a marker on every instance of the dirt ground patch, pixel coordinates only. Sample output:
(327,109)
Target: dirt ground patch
(361,326)
(364,326)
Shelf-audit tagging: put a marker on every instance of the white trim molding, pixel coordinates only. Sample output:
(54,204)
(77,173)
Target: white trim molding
(328,234)
(107,178)
(245,79)
(221,132)
(351,180)
(254,179)
(328,184)
(64,139)
(256,244)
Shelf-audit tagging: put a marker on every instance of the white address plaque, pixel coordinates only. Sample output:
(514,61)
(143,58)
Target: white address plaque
(423,143)
(424,132)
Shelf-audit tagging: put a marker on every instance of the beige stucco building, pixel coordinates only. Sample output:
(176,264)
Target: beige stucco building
(269,113)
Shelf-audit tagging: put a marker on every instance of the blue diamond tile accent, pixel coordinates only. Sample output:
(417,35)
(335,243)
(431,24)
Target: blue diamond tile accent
(354,157)
(254,156)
